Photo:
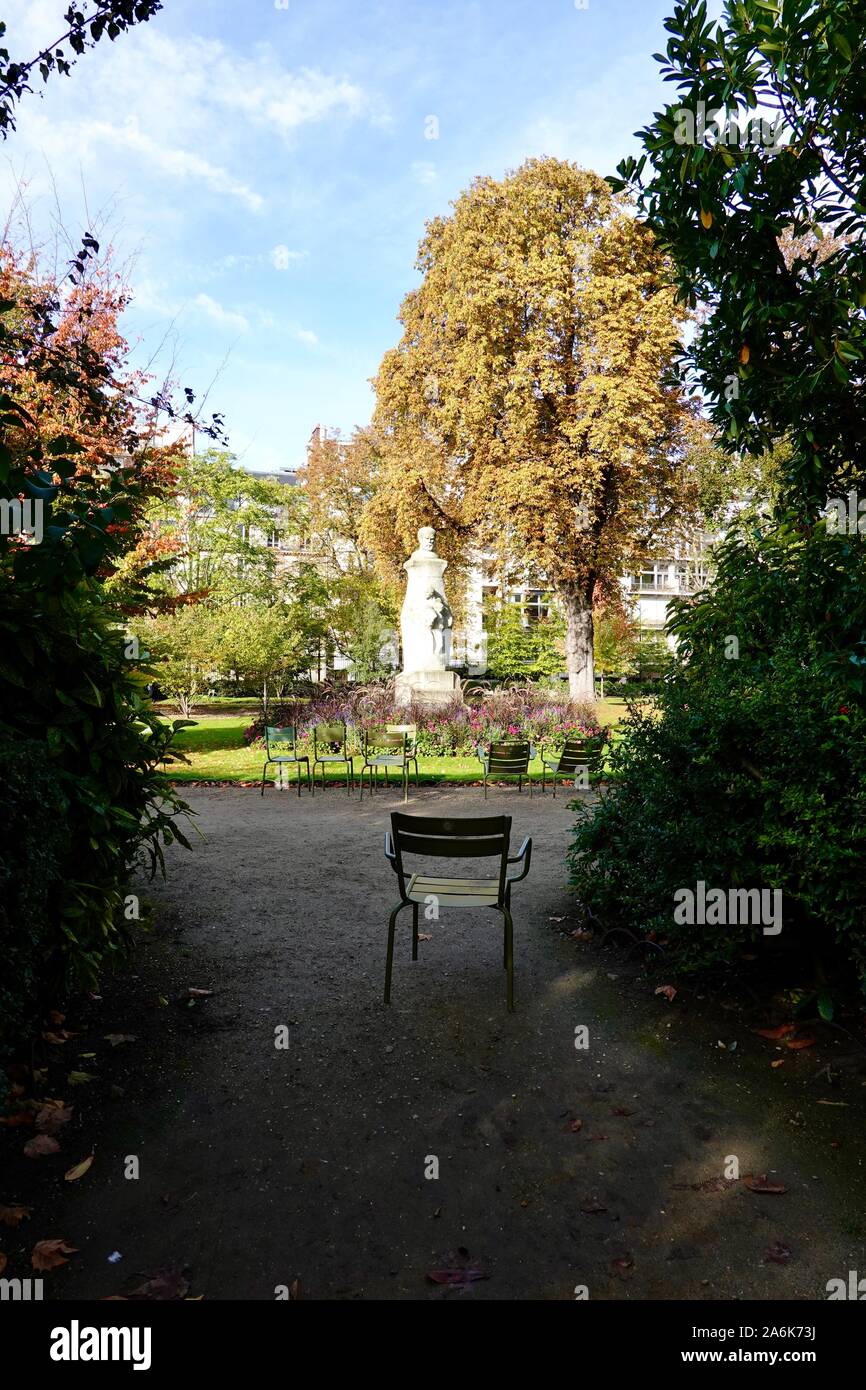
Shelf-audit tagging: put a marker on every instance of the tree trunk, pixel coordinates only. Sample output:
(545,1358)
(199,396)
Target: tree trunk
(578,643)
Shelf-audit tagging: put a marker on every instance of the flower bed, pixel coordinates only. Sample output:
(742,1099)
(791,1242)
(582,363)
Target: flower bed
(456,729)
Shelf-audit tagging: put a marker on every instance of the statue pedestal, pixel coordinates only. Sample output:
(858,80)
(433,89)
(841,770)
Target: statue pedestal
(432,688)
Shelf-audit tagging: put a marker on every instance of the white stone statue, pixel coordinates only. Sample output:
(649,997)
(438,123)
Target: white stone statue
(426,623)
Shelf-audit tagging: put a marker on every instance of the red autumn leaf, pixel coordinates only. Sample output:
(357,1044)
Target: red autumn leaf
(456,1276)
(795,1044)
(778,1254)
(764,1186)
(575,1127)
(668,991)
(783,1030)
(53,1115)
(39,1146)
(163,1286)
(21,1117)
(13,1216)
(48,1254)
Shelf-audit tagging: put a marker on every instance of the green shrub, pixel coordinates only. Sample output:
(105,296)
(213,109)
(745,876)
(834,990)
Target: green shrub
(84,797)
(750,771)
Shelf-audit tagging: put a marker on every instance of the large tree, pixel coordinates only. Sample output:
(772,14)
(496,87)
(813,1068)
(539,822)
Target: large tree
(766,226)
(529,402)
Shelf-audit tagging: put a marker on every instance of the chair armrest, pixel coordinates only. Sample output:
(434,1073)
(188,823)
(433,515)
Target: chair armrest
(482,756)
(524,854)
(389,851)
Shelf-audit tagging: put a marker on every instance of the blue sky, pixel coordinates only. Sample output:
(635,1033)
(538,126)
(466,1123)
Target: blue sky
(264,171)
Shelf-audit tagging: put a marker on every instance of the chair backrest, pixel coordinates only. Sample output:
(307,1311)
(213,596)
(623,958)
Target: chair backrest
(578,752)
(509,758)
(452,837)
(384,740)
(330,736)
(287,734)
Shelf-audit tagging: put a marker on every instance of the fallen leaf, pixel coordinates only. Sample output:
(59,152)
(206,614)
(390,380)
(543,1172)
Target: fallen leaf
(575,1127)
(200,993)
(48,1254)
(41,1144)
(2,1262)
(13,1216)
(592,1208)
(795,1044)
(456,1276)
(56,1017)
(668,991)
(840,1103)
(623,1264)
(424,936)
(117,1038)
(79,1170)
(80,1078)
(163,1286)
(779,1062)
(778,1254)
(294,1290)
(21,1117)
(52,1116)
(763,1186)
(783,1031)
(57,1038)
(622,1110)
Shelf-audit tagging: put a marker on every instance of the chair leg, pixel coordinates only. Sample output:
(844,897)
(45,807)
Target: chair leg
(405,782)
(264,770)
(509,957)
(298,766)
(389,959)
(414,931)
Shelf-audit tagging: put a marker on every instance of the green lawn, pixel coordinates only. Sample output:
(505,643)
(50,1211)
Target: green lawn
(217,753)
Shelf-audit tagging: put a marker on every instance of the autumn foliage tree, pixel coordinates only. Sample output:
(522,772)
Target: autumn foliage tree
(529,402)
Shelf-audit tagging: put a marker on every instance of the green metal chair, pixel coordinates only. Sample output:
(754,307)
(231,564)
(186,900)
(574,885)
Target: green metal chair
(386,748)
(580,760)
(286,737)
(332,740)
(455,838)
(507,759)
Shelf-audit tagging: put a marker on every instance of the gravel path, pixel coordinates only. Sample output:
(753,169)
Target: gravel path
(260,1166)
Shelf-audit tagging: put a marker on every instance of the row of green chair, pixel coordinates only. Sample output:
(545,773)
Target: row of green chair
(389,749)
(385,749)
(580,759)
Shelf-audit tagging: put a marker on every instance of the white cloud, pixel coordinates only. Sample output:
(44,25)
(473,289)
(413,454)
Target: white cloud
(423,171)
(226,318)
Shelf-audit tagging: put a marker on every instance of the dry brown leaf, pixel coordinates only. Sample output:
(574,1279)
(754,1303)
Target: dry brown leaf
(21,1117)
(669,992)
(117,1038)
(41,1145)
(2,1262)
(763,1186)
(795,1044)
(52,1116)
(13,1216)
(48,1254)
(79,1170)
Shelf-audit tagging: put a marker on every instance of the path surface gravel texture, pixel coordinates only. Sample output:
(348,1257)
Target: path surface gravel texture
(560,1168)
